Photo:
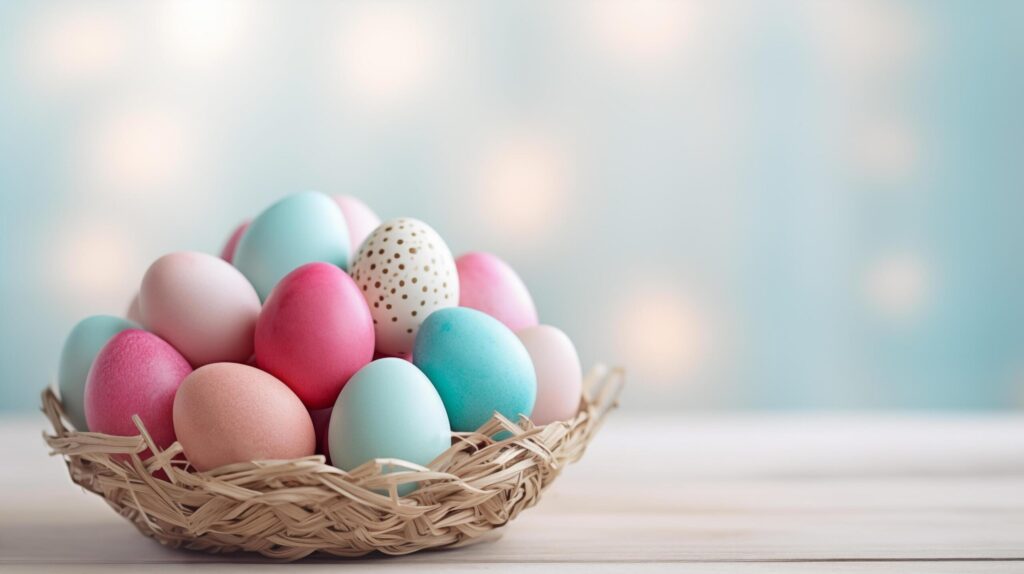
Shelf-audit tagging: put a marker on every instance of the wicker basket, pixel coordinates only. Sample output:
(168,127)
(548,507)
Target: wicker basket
(289,509)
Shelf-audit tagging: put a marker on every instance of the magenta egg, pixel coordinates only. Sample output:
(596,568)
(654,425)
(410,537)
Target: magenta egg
(136,373)
(202,305)
(314,332)
(361,219)
(488,284)
(228,252)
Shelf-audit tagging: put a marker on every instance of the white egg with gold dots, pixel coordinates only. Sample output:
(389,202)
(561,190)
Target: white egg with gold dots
(405,271)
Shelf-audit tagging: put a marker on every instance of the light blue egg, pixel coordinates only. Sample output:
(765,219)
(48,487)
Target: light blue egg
(388,409)
(299,229)
(478,366)
(84,342)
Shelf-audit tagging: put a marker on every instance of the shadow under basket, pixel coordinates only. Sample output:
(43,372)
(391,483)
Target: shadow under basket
(288,509)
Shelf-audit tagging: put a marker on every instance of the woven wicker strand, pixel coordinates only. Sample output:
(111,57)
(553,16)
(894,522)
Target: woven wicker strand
(289,509)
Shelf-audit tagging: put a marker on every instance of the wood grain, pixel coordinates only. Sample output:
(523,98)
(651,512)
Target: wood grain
(784,493)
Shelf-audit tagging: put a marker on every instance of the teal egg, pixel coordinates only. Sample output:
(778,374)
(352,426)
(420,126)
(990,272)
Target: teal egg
(478,366)
(80,349)
(299,229)
(388,409)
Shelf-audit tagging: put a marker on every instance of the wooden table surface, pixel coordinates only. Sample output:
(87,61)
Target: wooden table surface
(660,493)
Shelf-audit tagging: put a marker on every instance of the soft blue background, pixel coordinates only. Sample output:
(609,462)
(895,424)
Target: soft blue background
(750,204)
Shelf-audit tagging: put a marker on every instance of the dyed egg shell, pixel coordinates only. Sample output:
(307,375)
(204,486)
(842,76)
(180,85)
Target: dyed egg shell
(76,358)
(136,373)
(298,229)
(388,410)
(133,313)
(405,272)
(201,305)
(228,252)
(314,333)
(361,220)
(321,424)
(226,413)
(478,366)
(559,375)
(488,284)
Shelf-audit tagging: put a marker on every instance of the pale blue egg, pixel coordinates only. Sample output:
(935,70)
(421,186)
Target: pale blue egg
(80,349)
(299,229)
(388,409)
(478,366)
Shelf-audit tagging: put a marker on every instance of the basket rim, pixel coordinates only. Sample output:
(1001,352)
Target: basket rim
(602,386)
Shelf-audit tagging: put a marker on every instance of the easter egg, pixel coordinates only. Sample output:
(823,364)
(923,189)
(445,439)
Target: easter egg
(559,375)
(201,305)
(134,314)
(299,229)
(405,271)
(388,410)
(80,349)
(226,413)
(361,220)
(488,284)
(314,333)
(227,253)
(136,373)
(478,366)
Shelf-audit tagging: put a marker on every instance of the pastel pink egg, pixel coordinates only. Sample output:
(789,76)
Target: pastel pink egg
(321,424)
(135,373)
(361,219)
(228,252)
(202,305)
(315,332)
(225,413)
(559,376)
(488,284)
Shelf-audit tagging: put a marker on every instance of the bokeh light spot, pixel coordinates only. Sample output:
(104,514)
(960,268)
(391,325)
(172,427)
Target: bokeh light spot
(641,31)
(203,32)
(72,44)
(661,333)
(389,51)
(525,184)
(899,285)
(137,149)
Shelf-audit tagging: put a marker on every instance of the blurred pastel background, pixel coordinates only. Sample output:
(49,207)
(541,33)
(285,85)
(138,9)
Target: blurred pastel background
(750,204)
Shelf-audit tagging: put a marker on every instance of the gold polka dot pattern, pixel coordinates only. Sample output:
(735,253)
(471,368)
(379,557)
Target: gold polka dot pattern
(405,271)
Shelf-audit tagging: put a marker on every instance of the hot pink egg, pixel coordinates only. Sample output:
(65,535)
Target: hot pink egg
(226,413)
(135,373)
(361,219)
(315,332)
(228,252)
(202,305)
(488,284)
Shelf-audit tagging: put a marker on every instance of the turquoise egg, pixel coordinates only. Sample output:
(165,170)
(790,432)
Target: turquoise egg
(80,349)
(388,409)
(478,366)
(299,229)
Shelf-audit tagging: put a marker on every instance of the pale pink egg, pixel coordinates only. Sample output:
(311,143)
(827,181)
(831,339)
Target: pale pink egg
(228,252)
(559,376)
(488,284)
(315,332)
(226,413)
(135,373)
(202,305)
(361,219)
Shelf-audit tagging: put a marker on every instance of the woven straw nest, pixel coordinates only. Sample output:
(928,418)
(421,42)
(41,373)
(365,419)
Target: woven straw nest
(288,509)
